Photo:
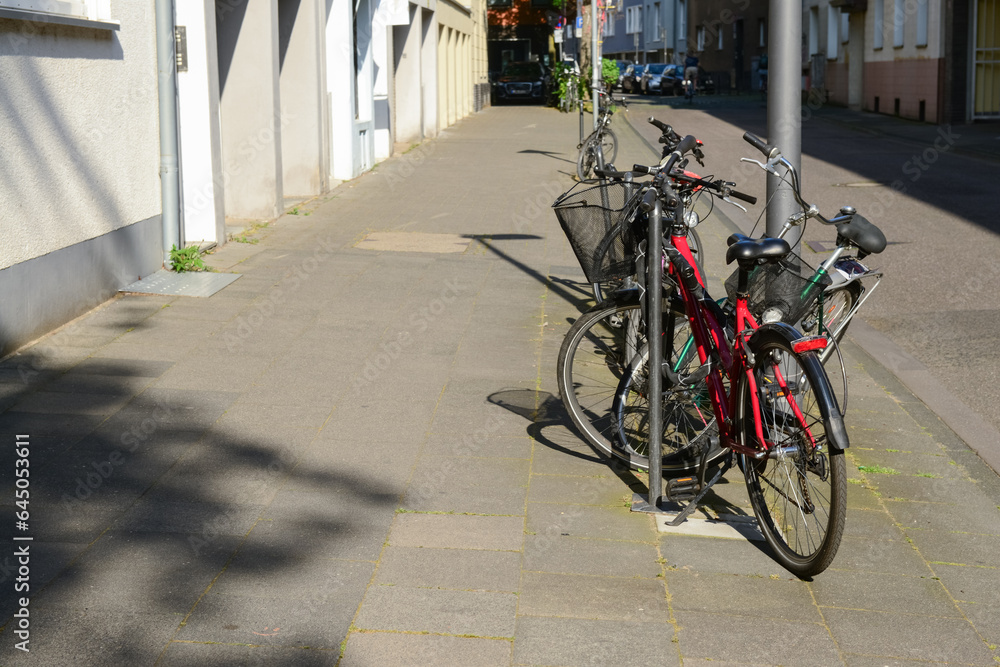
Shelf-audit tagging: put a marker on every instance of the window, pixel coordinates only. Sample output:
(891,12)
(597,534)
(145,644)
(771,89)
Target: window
(845,27)
(898,14)
(498,3)
(813,30)
(60,11)
(700,33)
(655,37)
(832,29)
(879,23)
(682,22)
(609,26)
(922,22)
(719,45)
(762,30)
(633,20)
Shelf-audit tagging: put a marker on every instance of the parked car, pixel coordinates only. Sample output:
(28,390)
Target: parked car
(522,81)
(672,80)
(631,77)
(706,84)
(623,65)
(651,78)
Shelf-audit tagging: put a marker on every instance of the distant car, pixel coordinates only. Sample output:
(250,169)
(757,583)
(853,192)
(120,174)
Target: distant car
(623,65)
(521,81)
(706,84)
(651,78)
(630,79)
(672,81)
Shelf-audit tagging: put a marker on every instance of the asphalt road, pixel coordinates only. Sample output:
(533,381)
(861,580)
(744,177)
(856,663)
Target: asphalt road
(936,203)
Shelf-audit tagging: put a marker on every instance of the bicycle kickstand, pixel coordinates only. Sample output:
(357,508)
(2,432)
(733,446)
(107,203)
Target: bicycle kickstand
(685,486)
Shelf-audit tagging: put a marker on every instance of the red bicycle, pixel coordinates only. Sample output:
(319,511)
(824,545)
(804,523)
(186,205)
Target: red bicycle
(774,412)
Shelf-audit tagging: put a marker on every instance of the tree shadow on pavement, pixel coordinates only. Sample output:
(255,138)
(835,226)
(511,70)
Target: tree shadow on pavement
(157,528)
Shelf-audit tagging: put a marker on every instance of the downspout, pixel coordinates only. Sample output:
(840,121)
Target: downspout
(166,65)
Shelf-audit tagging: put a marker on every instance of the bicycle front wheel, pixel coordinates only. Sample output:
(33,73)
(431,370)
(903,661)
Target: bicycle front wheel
(798,490)
(592,359)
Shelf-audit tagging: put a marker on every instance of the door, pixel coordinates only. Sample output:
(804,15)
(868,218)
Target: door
(986,67)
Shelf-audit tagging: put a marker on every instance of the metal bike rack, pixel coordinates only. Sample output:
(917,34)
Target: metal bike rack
(654,341)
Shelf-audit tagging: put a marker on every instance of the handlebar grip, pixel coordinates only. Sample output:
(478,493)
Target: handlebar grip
(611,173)
(661,126)
(758,143)
(642,169)
(747,198)
(686,144)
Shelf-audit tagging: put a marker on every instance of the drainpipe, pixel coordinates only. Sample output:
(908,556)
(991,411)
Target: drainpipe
(166,65)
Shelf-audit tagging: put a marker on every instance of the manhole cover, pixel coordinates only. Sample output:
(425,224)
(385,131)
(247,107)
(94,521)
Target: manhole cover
(414,242)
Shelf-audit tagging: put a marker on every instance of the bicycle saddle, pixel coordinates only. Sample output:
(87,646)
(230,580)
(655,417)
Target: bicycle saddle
(744,249)
(863,234)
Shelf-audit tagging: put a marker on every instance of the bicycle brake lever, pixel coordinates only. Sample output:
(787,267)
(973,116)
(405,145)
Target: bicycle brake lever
(730,201)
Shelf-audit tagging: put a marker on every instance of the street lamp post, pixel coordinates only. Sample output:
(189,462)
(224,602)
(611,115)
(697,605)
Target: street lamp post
(784,124)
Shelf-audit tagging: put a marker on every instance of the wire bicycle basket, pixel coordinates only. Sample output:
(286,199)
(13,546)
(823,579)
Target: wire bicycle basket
(788,288)
(599,222)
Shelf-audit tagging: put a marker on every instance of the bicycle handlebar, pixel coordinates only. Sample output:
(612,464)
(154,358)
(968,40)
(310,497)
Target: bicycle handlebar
(769,151)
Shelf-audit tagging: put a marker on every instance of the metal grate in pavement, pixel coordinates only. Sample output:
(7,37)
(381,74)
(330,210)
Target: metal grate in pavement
(198,284)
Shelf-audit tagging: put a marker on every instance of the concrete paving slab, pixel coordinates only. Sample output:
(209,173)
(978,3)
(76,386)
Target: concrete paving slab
(907,636)
(747,640)
(719,556)
(546,640)
(459,485)
(961,548)
(602,488)
(592,597)
(180,654)
(589,521)
(88,636)
(457,531)
(365,649)
(755,596)
(476,613)
(269,621)
(977,517)
(901,594)
(457,569)
(883,556)
(574,555)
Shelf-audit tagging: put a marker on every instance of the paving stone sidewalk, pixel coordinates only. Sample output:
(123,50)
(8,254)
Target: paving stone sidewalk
(355,455)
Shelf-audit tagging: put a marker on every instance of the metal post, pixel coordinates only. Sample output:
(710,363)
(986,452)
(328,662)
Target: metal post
(166,64)
(654,326)
(784,119)
(595,56)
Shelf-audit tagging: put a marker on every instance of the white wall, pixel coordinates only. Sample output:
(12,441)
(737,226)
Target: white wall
(79,131)
(202,194)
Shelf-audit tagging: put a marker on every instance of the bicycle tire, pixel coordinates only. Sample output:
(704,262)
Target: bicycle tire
(609,145)
(687,417)
(592,360)
(799,495)
(586,160)
(836,304)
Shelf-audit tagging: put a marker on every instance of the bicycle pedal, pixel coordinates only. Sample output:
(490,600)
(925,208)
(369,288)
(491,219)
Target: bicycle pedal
(682,489)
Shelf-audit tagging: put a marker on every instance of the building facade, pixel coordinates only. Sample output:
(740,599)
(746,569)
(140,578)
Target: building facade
(276,100)
(936,61)
(729,39)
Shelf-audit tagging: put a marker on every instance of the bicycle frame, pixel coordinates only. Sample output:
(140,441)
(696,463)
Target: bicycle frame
(711,342)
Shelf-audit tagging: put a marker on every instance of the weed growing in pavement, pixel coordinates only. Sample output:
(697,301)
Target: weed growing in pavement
(880,470)
(186,259)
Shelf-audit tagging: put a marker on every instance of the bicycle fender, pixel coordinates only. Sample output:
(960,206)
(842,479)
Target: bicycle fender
(836,432)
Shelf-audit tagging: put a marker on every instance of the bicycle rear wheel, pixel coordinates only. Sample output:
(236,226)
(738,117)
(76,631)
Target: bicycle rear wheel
(687,418)
(799,489)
